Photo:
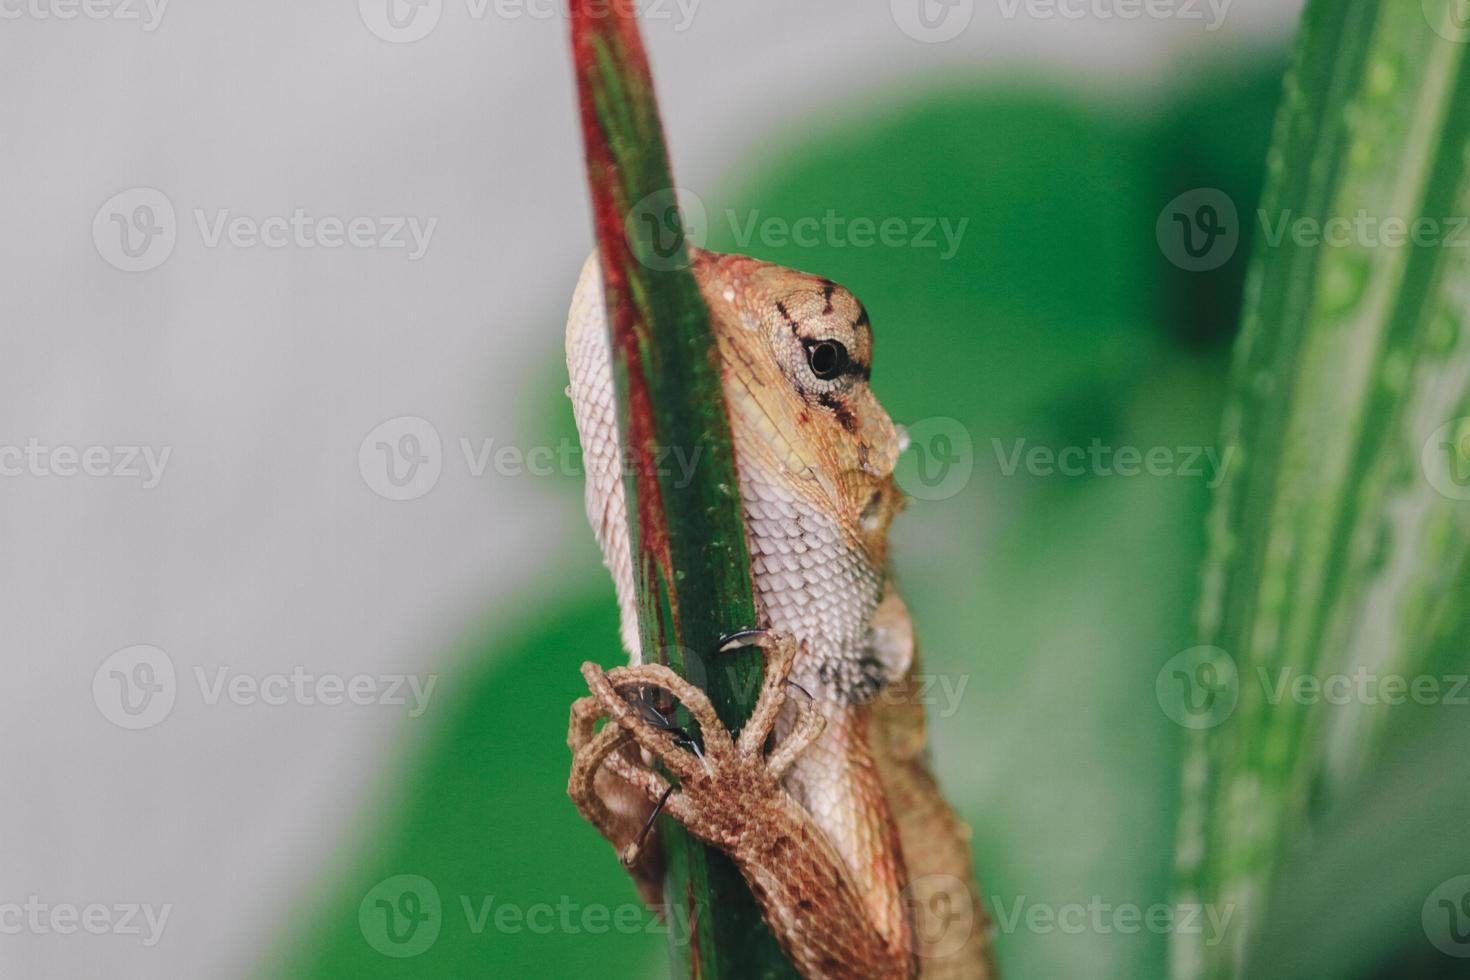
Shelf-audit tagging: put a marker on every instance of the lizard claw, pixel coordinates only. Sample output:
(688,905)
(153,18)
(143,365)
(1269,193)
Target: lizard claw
(711,786)
(741,639)
(780,650)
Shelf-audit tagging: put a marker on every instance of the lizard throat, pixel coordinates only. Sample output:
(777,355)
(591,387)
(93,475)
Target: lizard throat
(813,582)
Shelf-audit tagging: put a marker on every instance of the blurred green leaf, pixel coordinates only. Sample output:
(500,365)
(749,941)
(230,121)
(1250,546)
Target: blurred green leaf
(1339,546)
(480,811)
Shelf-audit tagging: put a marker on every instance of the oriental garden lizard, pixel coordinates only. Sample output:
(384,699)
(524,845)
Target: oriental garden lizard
(824,800)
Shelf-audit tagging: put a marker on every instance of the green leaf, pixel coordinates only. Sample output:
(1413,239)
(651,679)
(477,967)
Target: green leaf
(691,565)
(1338,542)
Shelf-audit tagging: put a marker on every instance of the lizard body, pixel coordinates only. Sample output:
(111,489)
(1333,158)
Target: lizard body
(859,865)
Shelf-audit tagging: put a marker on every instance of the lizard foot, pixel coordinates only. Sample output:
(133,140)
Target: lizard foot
(717,787)
(728,793)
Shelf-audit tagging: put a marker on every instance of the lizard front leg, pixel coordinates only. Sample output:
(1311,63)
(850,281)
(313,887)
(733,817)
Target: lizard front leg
(730,796)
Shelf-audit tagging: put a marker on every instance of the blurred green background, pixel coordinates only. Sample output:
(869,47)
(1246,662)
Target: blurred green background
(1058,321)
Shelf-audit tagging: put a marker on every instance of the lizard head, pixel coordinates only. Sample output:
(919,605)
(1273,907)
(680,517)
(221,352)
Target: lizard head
(796,352)
(814,449)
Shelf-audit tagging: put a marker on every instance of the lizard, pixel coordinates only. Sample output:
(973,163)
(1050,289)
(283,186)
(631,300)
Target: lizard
(859,866)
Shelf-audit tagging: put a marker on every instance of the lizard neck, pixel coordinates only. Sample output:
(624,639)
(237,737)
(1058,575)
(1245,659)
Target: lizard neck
(814,580)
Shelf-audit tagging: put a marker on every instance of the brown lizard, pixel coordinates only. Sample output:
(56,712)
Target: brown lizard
(859,866)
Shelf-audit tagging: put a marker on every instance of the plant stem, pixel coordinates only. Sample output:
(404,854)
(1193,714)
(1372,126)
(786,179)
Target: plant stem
(691,563)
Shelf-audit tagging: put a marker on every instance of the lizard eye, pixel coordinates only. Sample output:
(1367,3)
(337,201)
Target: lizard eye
(828,359)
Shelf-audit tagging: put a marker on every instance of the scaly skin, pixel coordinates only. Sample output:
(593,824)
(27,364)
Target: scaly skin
(860,867)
